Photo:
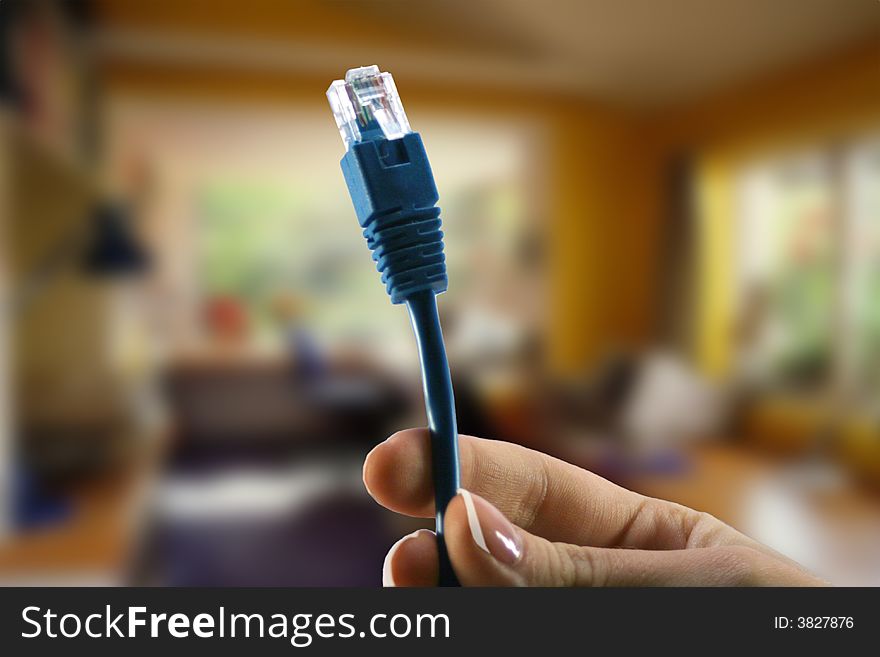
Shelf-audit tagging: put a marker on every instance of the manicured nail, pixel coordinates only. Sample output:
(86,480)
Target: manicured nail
(490,530)
(387,576)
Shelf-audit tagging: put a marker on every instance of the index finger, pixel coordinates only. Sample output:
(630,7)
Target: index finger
(539,493)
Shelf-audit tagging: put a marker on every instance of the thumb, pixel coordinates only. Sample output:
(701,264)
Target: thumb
(486,549)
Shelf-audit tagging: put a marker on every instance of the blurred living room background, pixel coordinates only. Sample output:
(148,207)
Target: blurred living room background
(662,227)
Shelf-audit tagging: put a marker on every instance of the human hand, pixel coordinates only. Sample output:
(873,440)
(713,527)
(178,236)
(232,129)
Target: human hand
(526,519)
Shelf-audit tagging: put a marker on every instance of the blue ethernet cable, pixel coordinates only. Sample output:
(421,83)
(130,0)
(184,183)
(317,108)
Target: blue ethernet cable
(395,200)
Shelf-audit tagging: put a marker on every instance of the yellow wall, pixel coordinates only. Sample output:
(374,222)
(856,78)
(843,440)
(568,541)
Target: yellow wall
(604,240)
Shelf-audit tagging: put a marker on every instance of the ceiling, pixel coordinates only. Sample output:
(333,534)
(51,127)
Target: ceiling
(638,53)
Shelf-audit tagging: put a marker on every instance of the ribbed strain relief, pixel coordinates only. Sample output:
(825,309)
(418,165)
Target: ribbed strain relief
(408,249)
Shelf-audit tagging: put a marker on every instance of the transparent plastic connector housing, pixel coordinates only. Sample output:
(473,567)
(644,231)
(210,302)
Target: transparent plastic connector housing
(366,106)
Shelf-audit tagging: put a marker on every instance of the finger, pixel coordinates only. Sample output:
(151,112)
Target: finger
(544,495)
(412,561)
(487,550)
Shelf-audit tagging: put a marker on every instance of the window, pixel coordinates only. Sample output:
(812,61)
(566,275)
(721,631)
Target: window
(249,206)
(861,302)
(808,284)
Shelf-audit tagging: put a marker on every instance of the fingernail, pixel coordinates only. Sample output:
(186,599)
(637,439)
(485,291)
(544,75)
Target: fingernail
(490,530)
(387,577)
